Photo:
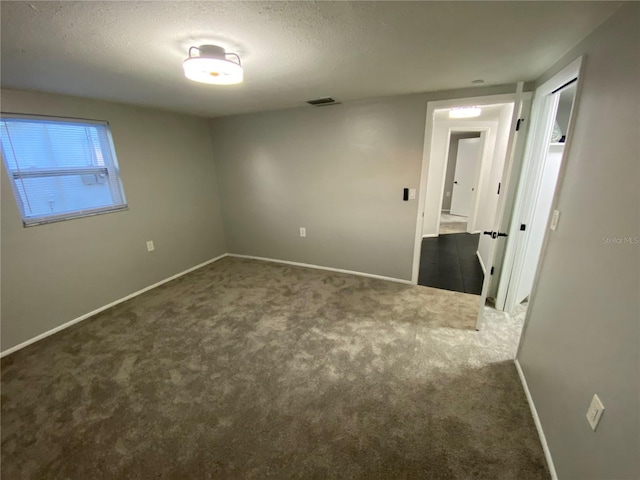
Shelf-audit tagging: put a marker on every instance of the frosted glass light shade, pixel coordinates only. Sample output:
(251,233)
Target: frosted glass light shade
(216,71)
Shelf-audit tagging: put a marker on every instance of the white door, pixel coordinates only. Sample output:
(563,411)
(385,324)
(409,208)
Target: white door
(469,153)
(514,149)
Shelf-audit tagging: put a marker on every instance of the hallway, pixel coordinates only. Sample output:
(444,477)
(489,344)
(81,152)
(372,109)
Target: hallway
(449,262)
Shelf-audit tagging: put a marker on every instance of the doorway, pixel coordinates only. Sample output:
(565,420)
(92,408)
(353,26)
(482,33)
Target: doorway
(464,158)
(463,166)
(449,260)
(533,215)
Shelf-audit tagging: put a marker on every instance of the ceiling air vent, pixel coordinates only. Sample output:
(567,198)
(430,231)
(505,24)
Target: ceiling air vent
(321,102)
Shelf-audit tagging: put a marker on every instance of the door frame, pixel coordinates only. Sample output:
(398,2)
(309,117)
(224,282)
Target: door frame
(426,156)
(483,126)
(529,183)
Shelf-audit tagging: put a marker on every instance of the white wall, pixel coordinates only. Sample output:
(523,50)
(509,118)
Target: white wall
(56,272)
(583,329)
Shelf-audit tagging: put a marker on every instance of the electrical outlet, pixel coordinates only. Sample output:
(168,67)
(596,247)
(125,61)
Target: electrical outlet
(150,246)
(554,220)
(412,194)
(448,194)
(303,232)
(595,412)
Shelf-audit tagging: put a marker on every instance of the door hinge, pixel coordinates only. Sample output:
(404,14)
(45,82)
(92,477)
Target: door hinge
(499,185)
(493,269)
(518,123)
(523,227)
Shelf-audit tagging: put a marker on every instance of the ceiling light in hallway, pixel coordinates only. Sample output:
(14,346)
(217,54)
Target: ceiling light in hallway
(465,112)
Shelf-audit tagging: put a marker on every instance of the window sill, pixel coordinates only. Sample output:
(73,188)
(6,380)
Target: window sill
(72,216)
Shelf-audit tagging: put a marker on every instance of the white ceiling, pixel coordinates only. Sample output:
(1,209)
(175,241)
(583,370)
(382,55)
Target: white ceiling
(132,52)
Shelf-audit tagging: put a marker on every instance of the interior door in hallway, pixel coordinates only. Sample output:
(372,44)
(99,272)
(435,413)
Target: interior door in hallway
(513,156)
(464,186)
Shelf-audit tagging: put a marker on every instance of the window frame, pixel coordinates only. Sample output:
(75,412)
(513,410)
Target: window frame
(112,173)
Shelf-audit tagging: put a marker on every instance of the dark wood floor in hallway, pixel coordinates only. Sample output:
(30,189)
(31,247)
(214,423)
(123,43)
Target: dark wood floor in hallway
(449,262)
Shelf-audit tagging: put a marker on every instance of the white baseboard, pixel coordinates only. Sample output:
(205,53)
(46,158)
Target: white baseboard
(484,269)
(173,277)
(318,267)
(430,235)
(536,420)
(112,304)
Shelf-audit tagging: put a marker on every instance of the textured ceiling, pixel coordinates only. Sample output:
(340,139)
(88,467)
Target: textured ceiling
(292,51)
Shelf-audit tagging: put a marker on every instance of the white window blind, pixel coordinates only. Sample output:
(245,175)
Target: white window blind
(60,168)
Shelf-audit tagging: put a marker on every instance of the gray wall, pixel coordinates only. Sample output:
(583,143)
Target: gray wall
(339,171)
(451,166)
(583,334)
(57,272)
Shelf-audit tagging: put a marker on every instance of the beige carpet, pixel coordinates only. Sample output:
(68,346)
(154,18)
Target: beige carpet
(251,370)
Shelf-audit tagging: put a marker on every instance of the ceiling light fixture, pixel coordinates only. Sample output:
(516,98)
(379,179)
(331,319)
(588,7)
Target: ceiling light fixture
(465,112)
(212,66)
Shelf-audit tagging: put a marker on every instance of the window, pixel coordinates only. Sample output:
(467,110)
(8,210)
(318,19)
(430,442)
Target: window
(60,168)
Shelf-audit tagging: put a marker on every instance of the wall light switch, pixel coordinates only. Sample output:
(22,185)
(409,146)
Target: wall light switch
(554,220)
(303,232)
(412,194)
(448,194)
(150,246)
(595,412)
